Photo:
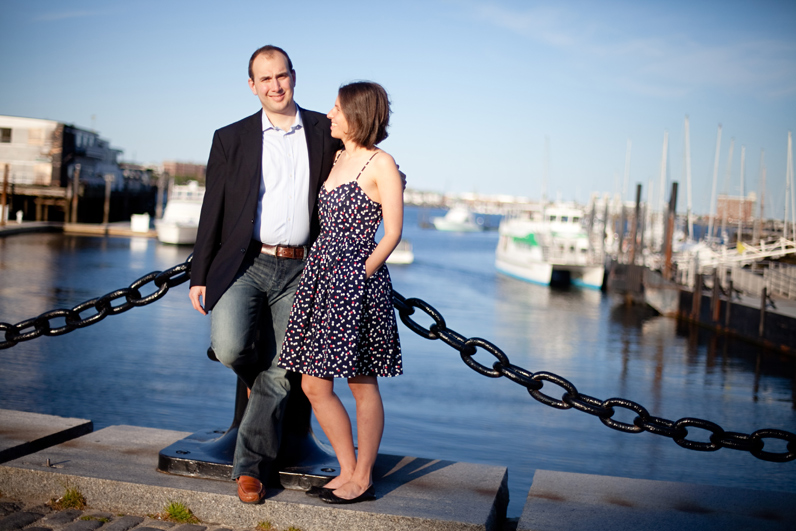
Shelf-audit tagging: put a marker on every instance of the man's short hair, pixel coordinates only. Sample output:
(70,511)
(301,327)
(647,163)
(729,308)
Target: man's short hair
(366,107)
(268,49)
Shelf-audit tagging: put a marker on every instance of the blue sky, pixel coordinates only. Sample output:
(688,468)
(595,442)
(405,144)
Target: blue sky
(476,86)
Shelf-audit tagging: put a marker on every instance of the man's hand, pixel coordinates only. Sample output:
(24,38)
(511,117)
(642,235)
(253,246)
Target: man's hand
(197,295)
(402,174)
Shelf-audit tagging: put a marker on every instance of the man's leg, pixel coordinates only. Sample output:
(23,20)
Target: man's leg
(233,325)
(260,431)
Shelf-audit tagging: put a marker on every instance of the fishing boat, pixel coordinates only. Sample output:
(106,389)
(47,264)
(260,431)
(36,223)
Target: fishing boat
(458,219)
(181,216)
(402,254)
(548,246)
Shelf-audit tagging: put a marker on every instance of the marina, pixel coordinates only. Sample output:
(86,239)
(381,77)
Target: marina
(148,366)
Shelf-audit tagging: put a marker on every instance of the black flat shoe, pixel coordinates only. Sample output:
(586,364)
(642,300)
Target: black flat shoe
(315,492)
(330,497)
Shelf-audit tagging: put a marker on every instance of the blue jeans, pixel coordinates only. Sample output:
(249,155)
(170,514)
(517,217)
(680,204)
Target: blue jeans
(265,286)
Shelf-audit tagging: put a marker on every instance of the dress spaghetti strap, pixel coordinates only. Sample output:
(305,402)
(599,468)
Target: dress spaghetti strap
(366,165)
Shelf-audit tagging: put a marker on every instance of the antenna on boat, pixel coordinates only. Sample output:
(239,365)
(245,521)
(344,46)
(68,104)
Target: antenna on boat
(715,178)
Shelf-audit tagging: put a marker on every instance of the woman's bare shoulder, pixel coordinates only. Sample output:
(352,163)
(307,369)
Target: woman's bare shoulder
(384,162)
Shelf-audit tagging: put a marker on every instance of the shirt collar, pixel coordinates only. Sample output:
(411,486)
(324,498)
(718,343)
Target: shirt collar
(298,124)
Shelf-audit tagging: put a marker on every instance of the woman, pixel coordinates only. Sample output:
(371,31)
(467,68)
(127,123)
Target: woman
(342,324)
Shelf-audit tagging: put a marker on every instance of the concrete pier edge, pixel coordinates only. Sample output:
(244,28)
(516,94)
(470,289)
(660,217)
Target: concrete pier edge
(115,469)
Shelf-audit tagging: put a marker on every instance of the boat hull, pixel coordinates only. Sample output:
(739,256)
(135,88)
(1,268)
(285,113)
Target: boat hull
(545,274)
(176,233)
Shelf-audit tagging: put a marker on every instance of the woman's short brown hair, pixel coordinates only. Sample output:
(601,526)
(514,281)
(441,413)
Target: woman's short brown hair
(366,107)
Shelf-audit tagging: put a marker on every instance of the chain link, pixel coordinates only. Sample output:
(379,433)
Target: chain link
(677,430)
(102,306)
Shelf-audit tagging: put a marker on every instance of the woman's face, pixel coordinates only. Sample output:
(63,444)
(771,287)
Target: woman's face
(339,122)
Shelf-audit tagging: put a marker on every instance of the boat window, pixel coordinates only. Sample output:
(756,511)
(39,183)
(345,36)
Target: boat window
(551,217)
(564,219)
(575,219)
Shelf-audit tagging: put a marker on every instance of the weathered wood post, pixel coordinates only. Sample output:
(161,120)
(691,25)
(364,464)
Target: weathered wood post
(728,306)
(75,192)
(763,298)
(716,300)
(3,206)
(696,304)
(109,178)
(634,232)
(162,178)
(667,264)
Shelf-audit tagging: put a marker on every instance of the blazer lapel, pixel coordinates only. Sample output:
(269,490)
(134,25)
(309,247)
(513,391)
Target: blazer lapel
(251,141)
(314,137)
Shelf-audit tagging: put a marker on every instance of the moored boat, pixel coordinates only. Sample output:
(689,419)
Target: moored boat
(402,254)
(181,216)
(548,246)
(458,219)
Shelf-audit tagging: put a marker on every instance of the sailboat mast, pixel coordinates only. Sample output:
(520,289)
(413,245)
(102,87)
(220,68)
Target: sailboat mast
(661,198)
(726,197)
(715,178)
(762,192)
(790,174)
(741,202)
(688,179)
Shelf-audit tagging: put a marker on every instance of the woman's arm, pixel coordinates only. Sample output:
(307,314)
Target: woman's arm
(390,191)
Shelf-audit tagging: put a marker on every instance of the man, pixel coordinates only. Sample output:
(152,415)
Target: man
(258,220)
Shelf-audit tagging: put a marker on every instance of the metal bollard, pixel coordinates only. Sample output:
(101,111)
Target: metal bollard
(303,460)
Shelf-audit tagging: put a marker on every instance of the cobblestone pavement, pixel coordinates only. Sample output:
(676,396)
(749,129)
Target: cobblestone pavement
(17,516)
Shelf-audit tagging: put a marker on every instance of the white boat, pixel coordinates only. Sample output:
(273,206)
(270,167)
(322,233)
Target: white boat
(181,215)
(548,246)
(457,219)
(402,254)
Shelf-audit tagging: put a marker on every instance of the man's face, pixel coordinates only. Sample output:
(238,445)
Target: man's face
(273,83)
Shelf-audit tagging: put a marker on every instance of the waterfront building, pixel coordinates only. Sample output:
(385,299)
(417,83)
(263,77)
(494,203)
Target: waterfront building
(43,156)
(736,208)
(185,171)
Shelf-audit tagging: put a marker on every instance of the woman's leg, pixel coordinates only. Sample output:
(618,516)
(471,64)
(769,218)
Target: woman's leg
(370,426)
(334,421)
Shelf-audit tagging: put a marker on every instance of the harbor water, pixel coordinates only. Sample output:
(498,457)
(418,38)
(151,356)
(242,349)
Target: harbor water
(147,367)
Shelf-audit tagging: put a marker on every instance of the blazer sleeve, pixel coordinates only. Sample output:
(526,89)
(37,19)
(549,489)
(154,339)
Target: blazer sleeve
(208,236)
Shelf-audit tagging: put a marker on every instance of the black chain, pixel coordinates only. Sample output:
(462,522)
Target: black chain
(605,410)
(101,307)
(678,431)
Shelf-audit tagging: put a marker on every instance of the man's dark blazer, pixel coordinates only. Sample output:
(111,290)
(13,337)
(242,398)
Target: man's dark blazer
(234,172)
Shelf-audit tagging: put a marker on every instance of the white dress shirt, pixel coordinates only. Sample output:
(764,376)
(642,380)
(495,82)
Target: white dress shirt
(283,216)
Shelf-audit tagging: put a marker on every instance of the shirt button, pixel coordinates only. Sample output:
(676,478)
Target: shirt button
(243,250)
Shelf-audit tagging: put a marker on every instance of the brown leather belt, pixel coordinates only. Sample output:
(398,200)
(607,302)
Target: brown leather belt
(284,251)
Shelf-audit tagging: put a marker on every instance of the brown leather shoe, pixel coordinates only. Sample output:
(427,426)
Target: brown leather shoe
(250,490)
